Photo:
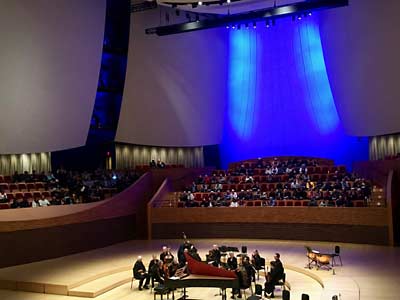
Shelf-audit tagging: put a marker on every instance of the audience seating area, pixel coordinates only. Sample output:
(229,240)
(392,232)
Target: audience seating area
(62,187)
(284,181)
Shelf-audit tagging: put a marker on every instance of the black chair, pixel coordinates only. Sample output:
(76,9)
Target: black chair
(282,282)
(133,278)
(305,297)
(336,254)
(259,267)
(285,295)
(257,294)
(161,290)
(244,249)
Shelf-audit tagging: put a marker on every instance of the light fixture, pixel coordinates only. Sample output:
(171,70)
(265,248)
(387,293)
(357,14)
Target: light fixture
(228,1)
(200,3)
(267,24)
(254,25)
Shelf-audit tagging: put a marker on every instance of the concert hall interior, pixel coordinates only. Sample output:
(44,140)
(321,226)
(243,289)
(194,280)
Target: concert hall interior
(252,147)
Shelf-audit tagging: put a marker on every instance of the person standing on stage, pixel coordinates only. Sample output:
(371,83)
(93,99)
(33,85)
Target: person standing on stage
(139,272)
(274,276)
(232,262)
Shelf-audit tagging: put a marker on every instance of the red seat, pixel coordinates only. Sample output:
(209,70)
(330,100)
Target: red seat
(258,203)
(22,187)
(305,202)
(289,202)
(280,202)
(46,194)
(4,187)
(30,186)
(28,195)
(1,178)
(298,203)
(12,187)
(19,195)
(358,203)
(39,186)
(249,203)
(4,206)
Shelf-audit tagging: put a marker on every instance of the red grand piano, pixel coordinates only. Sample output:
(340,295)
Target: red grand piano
(203,275)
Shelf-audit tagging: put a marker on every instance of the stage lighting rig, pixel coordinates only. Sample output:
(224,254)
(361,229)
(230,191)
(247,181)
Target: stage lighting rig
(272,13)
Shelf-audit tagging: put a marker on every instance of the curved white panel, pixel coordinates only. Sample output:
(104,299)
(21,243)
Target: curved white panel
(362,47)
(175,86)
(49,66)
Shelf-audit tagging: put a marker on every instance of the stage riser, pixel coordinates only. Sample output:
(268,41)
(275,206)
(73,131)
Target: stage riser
(27,246)
(377,235)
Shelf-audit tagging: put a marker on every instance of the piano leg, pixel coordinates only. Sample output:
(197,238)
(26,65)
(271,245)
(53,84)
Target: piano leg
(223,294)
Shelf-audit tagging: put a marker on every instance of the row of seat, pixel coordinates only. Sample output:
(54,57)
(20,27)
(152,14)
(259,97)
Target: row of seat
(22,187)
(287,203)
(310,170)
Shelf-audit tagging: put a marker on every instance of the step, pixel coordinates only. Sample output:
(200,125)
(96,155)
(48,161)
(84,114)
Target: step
(101,285)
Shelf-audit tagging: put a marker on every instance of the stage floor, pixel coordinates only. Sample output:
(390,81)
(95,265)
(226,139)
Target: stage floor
(368,272)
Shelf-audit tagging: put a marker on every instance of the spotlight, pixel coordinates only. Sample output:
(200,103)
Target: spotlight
(267,24)
(200,3)
(227,27)
(254,25)
(228,1)
(310,13)
(233,26)
(299,17)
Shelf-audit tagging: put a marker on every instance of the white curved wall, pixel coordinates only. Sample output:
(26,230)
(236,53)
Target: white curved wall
(49,64)
(362,54)
(175,86)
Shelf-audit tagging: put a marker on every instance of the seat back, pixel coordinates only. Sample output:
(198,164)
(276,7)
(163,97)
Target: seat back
(337,249)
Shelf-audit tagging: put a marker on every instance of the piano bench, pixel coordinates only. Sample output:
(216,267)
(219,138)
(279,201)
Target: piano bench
(161,290)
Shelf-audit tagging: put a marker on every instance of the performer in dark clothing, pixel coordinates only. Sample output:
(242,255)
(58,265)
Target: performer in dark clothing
(153,266)
(214,256)
(274,276)
(232,262)
(139,272)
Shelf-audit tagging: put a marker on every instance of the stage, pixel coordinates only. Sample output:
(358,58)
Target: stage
(368,272)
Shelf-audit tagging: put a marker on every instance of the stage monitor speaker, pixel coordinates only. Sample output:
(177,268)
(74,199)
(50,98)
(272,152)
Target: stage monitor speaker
(244,249)
(305,297)
(285,295)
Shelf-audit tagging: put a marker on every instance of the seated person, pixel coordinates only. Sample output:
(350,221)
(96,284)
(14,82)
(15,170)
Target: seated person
(214,256)
(257,260)
(3,197)
(273,276)
(153,266)
(139,272)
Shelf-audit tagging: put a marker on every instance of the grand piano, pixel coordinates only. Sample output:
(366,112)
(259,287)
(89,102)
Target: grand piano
(203,275)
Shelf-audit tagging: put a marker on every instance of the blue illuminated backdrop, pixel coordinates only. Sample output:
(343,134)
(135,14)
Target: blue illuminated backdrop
(279,97)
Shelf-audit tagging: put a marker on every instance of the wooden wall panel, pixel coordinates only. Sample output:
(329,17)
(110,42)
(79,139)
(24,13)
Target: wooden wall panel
(307,232)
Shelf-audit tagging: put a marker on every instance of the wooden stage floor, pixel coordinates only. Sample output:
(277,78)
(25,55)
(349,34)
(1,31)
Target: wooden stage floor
(368,272)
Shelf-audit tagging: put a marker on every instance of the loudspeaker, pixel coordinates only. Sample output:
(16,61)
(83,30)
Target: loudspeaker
(305,297)
(285,295)
(244,249)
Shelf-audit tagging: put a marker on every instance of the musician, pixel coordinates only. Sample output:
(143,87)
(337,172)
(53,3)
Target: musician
(181,257)
(232,261)
(159,273)
(214,256)
(153,265)
(169,257)
(174,265)
(139,272)
(163,253)
(274,276)
(256,260)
